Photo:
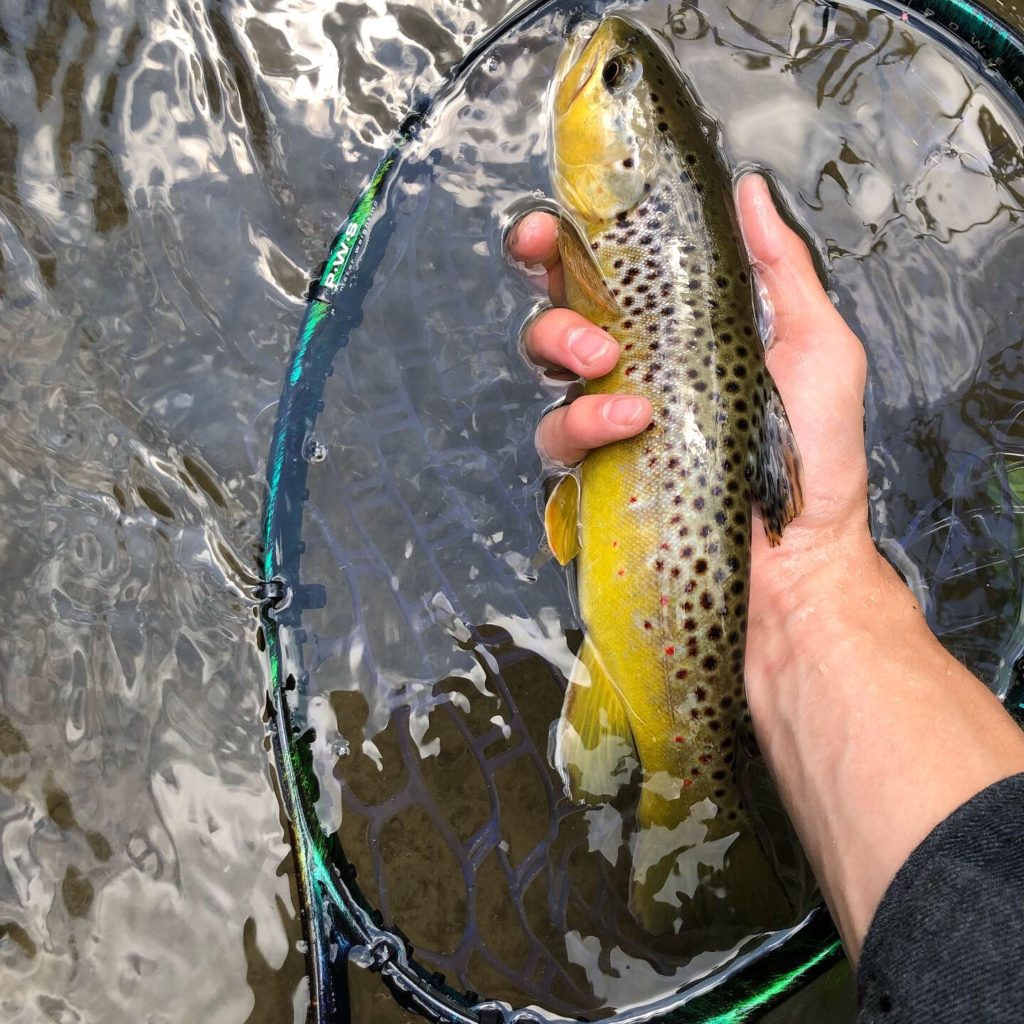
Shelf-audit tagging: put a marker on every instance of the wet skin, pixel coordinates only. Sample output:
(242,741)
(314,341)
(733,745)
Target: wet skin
(857,708)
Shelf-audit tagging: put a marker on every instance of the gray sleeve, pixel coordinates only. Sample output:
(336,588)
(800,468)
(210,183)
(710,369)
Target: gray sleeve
(947,941)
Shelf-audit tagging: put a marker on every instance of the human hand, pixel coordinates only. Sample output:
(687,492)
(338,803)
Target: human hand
(817,362)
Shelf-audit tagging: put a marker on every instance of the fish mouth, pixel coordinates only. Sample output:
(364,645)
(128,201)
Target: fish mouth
(586,80)
(572,75)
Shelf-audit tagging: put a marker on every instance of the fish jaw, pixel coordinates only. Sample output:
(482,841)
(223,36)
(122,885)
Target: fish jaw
(595,129)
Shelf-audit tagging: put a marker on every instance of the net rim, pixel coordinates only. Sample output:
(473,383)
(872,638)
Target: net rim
(336,920)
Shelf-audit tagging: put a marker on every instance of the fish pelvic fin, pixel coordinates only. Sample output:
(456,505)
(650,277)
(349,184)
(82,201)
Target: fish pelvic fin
(594,749)
(562,519)
(777,473)
(689,872)
(584,272)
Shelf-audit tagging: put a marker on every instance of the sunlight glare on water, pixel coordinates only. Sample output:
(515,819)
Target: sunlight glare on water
(168,175)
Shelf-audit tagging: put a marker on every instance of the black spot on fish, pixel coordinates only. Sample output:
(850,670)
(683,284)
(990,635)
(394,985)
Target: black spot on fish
(628,162)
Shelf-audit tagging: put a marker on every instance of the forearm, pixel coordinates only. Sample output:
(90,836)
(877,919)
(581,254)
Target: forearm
(872,731)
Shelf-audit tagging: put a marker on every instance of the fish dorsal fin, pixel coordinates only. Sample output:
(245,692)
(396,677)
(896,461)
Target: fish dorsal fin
(562,519)
(594,749)
(777,474)
(581,267)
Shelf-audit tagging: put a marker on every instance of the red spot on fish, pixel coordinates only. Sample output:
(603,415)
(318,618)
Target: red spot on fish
(632,499)
(622,572)
(687,783)
(647,624)
(670,650)
(615,543)
(680,739)
(664,600)
(664,547)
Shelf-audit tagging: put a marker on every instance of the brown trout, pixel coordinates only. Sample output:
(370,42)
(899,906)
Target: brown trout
(660,525)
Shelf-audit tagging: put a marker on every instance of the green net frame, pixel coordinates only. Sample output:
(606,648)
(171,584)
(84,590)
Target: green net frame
(337,921)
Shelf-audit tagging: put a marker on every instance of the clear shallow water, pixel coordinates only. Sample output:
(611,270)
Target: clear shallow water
(167,176)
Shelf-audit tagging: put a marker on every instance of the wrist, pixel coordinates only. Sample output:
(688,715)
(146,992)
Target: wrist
(804,604)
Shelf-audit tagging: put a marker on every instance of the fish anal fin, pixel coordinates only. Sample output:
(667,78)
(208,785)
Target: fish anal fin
(562,519)
(594,749)
(777,473)
(582,269)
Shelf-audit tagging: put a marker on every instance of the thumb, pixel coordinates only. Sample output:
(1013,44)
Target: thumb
(782,263)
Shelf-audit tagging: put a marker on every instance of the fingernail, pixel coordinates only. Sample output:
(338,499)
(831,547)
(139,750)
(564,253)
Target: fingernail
(520,232)
(588,344)
(624,412)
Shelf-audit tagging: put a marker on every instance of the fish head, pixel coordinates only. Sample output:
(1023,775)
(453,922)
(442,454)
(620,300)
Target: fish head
(606,145)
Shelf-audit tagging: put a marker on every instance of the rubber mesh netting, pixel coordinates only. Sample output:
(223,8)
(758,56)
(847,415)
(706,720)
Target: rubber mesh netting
(435,644)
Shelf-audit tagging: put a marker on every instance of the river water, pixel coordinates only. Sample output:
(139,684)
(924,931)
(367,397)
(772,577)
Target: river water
(168,176)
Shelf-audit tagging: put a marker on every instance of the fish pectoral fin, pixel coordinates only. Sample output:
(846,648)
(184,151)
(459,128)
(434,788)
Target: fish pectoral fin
(582,268)
(594,749)
(562,519)
(777,474)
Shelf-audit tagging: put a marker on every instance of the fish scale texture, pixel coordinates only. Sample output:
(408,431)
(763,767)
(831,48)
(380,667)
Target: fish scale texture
(652,254)
(673,505)
(947,940)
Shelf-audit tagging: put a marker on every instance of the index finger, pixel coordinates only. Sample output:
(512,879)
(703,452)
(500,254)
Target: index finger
(534,240)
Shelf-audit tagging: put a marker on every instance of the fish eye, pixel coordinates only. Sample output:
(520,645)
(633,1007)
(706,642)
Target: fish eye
(621,72)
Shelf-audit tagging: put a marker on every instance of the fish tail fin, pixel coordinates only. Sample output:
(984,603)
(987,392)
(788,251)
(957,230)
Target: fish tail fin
(756,894)
(777,477)
(594,749)
(683,880)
